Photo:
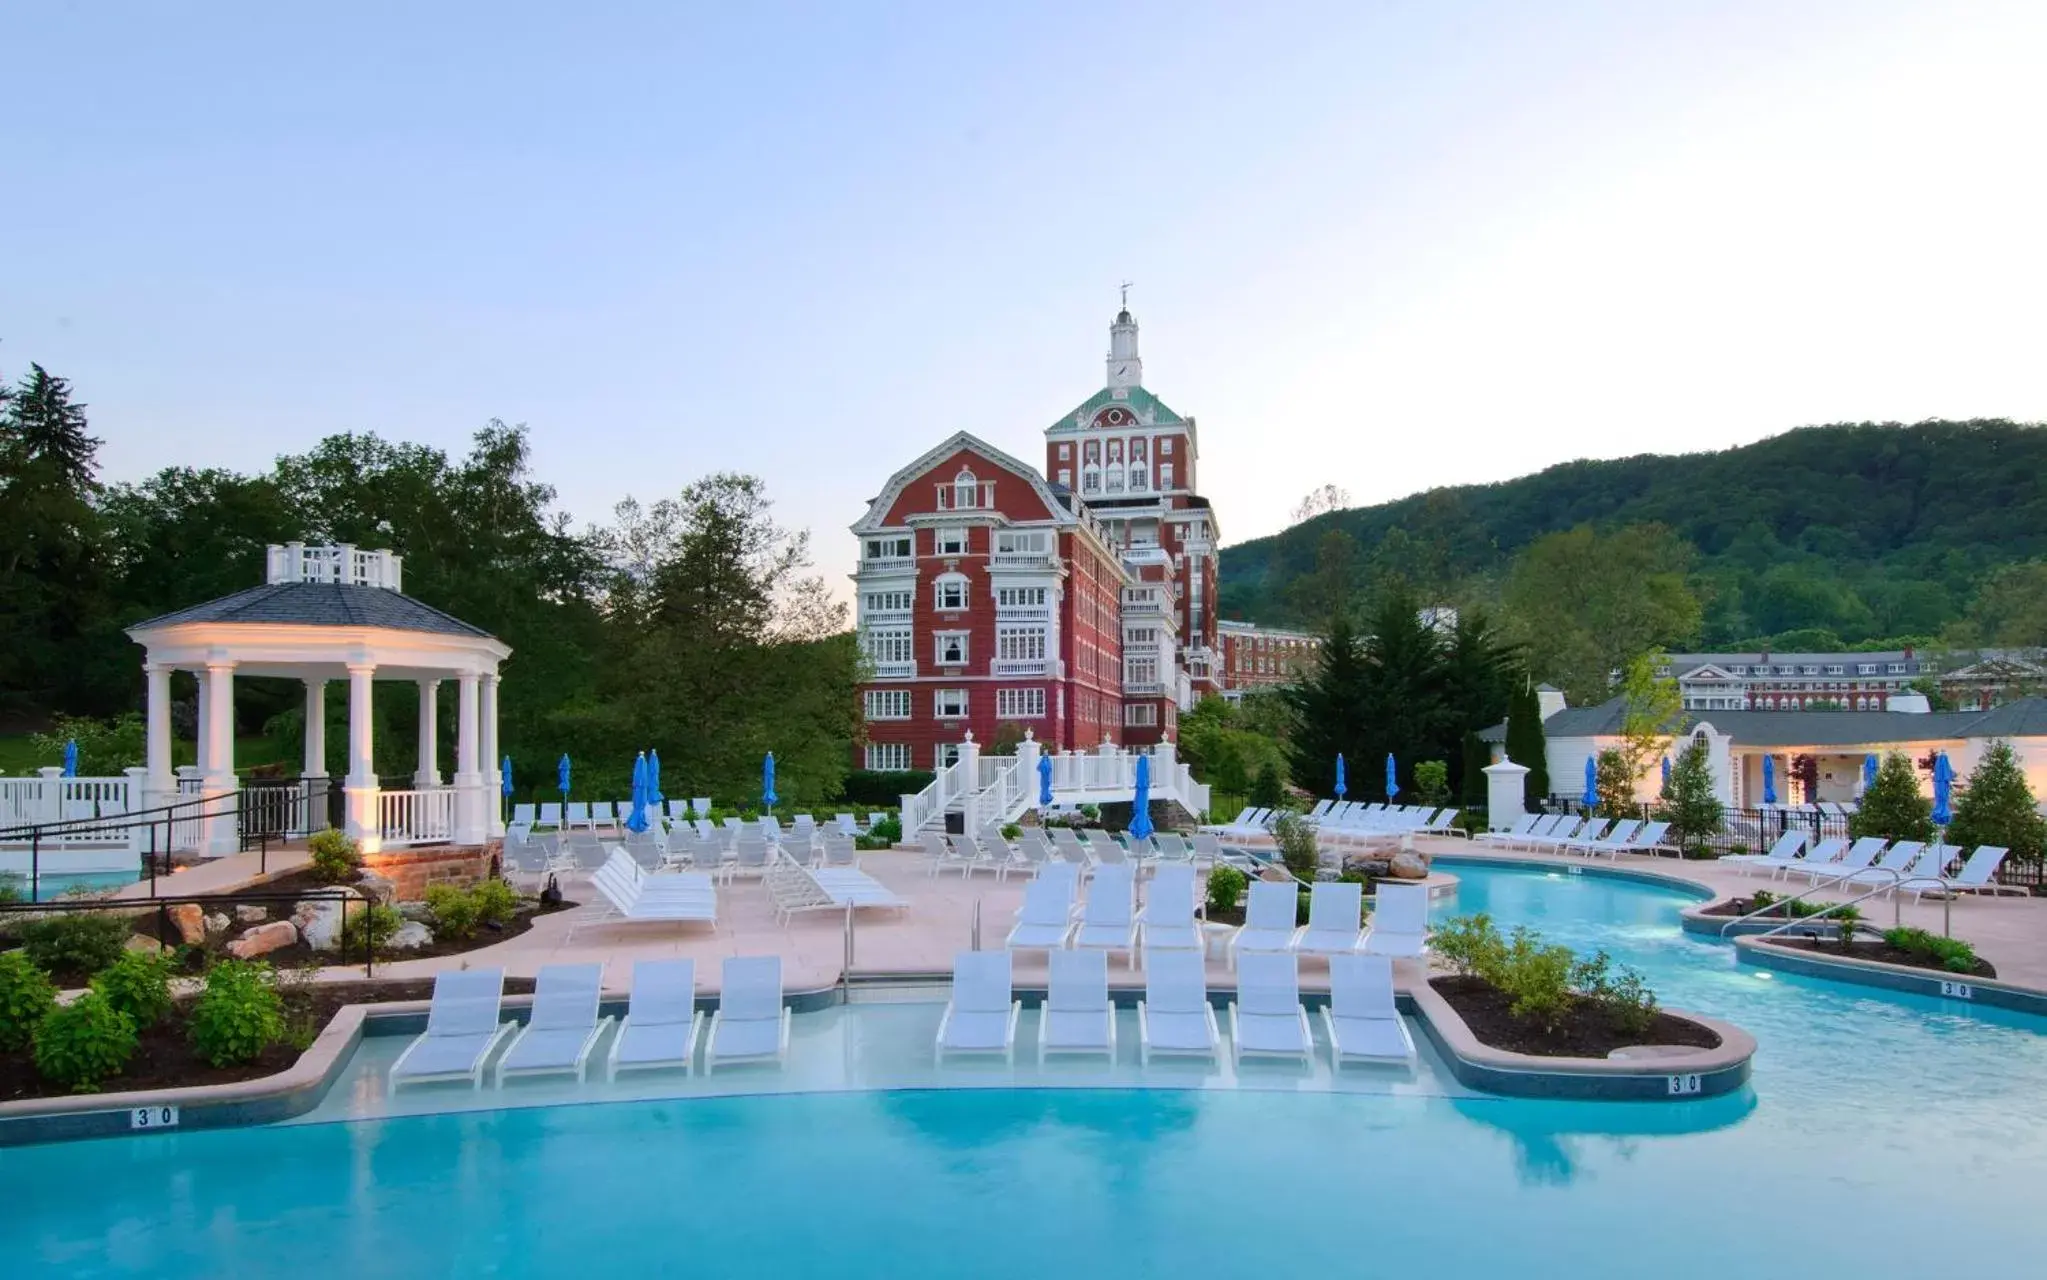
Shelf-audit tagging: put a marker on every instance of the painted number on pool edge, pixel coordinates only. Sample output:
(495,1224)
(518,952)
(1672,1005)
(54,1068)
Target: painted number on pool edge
(1682,1085)
(153,1118)
(1958,990)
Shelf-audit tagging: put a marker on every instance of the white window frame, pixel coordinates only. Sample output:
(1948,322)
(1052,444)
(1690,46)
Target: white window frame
(949,704)
(1141,715)
(950,540)
(1165,446)
(1165,475)
(888,757)
(1136,664)
(950,583)
(1024,643)
(892,547)
(1020,597)
(1065,451)
(945,755)
(890,601)
(891,644)
(1066,477)
(1020,704)
(888,704)
(1140,482)
(944,642)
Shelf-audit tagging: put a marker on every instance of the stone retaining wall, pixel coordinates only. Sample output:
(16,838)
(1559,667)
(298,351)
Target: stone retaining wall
(412,870)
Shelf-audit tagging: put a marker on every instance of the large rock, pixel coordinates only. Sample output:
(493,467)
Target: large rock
(247,914)
(377,888)
(415,911)
(1408,866)
(263,939)
(218,922)
(1374,866)
(411,936)
(319,922)
(145,944)
(190,922)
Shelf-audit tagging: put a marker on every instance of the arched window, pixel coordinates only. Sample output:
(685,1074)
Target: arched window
(949,593)
(966,491)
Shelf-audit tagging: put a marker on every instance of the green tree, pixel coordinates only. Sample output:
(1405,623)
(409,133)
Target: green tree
(1996,806)
(1480,670)
(1689,805)
(1476,757)
(1651,711)
(1223,752)
(1401,693)
(1584,603)
(1527,746)
(1329,591)
(1328,709)
(1893,807)
(1431,781)
(1268,790)
(1614,783)
(2010,607)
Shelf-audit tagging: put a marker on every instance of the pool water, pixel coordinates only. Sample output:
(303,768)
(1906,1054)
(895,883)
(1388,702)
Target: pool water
(1883,1136)
(52,885)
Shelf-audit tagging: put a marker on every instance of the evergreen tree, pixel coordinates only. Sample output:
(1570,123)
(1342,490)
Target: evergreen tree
(1328,710)
(1688,804)
(1268,790)
(1402,686)
(1893,806)
(1476,757)
(1996,806)
(1613,781)
(1479,674)
(1526,745)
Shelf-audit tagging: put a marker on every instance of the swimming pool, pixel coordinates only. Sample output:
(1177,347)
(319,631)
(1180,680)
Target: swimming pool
(1884,1136)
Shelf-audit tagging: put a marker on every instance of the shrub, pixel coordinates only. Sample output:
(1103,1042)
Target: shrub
(1892,806)
(451,911)
(1614,783)
(881,835)
(138,985)
(371,927)
(1952,954)
(1431,781)
(878,789)
(1226,885)
(1538,976)
(1268,789)
(1845,918)
(1688,804)
(1297,848)
(1544,979)
(75,941)
(239,1015)
(1469,944)
(496,902)
(336,859)
(26,996)
(1996,806)
(1012,831)
(1795,908)
(1624,993)
(84,1042)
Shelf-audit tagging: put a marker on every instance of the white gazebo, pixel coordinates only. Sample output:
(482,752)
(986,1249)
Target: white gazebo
(333,613)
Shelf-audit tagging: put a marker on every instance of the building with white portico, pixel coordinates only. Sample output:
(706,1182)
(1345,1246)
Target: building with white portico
(326,614)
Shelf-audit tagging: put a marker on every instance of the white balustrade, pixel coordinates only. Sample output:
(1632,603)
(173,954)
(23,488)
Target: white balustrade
(425,815)
(344,564)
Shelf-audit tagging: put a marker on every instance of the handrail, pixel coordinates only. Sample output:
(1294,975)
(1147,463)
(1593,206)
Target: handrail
(975,937)
(1897,878)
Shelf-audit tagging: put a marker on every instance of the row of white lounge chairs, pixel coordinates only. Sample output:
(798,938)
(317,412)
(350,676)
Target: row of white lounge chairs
(1176,1017)
(609,815)
(1052,919)
(1345,821)
(702,847)
(634,894)
(1908,866)
(466,1023)
(1569,833)
(1039,847)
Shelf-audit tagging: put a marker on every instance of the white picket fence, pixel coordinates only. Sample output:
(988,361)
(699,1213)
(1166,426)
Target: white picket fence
(423,816)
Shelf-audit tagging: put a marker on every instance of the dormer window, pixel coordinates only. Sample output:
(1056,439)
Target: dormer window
(965,492)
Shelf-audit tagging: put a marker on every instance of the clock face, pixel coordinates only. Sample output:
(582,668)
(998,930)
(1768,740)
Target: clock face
(1123,371)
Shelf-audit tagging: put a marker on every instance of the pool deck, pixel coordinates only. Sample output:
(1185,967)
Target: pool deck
(2009,932)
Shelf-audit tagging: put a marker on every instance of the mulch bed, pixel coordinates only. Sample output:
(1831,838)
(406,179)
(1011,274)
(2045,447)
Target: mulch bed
(1588,1032)
(164,1058)
(1741,907)
(1877,949)
(299,953)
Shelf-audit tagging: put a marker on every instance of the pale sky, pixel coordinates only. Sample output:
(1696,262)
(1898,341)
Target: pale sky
(1385,245)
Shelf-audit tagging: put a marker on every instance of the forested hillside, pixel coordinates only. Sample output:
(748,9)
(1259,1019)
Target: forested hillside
(1862,532)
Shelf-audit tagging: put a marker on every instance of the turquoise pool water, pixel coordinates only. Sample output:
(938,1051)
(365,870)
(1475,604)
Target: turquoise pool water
(55,885)
(1884,1137)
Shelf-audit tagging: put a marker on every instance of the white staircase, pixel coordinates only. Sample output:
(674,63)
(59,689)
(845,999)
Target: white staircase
(1002,788)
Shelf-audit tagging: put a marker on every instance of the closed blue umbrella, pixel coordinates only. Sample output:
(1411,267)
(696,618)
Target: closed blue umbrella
(1943,790)
(1140,803)
(654,796)
(1769,779)
(1666,773)
(1869,771)
(1392,783)
(768,781)
(637,819)
(1044,780)
(505,775)
(1340,787)
(561,775)
(1591,796)
(71,758)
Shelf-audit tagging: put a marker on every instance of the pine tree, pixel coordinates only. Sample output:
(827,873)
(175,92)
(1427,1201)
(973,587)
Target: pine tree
(1997,807)
(1526,745)
(1328,711)
(1476,758)
(1689,805)
(46,436)
(1893,806)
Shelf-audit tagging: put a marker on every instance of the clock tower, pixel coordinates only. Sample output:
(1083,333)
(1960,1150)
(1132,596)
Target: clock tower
(1125,369)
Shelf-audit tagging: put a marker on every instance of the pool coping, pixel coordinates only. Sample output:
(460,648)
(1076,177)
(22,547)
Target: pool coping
(1995,992)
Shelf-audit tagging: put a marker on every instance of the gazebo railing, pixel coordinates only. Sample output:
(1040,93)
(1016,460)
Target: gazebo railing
(424,815)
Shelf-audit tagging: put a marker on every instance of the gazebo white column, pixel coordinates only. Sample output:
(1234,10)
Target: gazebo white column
(493,776)
(361,821)
(428,772)
(160,782)
(313,776)
(472,824)
(219,698)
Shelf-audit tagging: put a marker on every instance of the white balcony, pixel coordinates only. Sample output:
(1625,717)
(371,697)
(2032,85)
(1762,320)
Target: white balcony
(1020,667)
(1023,560)
(889,564)
(884,617)
(1143,689)
(895,671)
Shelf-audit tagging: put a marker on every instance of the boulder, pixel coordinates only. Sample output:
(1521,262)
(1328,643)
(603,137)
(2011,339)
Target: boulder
(377,888)
(218,922)
(145,944)
(319,922)
(415,911)
(411,936)
(263,939)
(190,923)
(1408,866)
(246,914)
(1375,866)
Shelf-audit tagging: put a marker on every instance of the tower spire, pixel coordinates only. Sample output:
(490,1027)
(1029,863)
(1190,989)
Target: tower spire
(1125,369)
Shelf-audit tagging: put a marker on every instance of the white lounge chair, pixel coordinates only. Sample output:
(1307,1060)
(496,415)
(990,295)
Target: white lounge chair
(1363,1018)
(1784,851)
(563,1026)
(1175,1017)
(1334,910)
(1978,875)
(1045,916)
(1269,913)
(637,896)
(981,1016)
(1077,1016)
(661,1018)
(1889,871)
(1167,920)
(462,1030)
(1266,1018)
(1820,864)
(1400,921)
(751,1023)
(1108,921)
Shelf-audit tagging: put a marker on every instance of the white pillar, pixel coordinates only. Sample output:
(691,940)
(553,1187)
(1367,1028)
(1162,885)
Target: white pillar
(472,824)
(313,776)
(1504,785)
(218,697)
(427,772)
(161,785)
(361,821)
(1027,753)
(493,777)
